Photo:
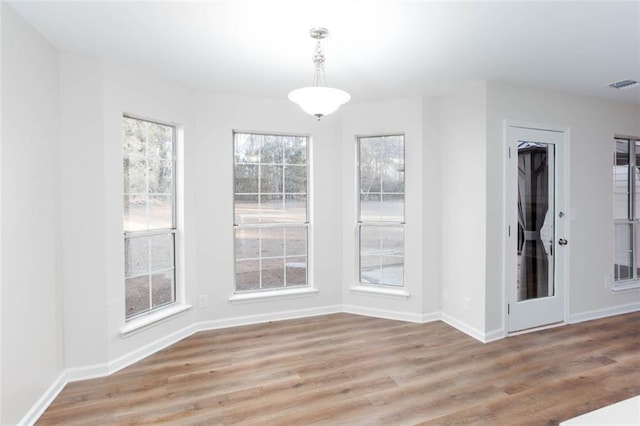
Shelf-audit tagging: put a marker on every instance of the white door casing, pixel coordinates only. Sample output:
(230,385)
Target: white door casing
(532,308)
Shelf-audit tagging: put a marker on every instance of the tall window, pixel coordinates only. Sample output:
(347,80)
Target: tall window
(149,215)
(381,210)
(626,208)
(271,211)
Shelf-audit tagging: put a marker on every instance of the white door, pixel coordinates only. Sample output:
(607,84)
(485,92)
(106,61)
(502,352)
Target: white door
(537,226)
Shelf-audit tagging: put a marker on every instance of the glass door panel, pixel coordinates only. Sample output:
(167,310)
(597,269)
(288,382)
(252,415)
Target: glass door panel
(536,213)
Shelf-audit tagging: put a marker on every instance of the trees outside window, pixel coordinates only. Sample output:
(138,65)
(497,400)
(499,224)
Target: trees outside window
(270,211)
(381,210)
(149,218)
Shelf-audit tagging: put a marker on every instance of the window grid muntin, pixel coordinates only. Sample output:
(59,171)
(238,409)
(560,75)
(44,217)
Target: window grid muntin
(151,232)
(632,221)
(260,224)
(380,221)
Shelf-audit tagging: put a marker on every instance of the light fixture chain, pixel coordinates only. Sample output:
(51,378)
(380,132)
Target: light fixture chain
(318,60)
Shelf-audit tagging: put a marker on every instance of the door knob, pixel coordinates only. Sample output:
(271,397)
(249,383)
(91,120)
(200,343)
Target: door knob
(562,242)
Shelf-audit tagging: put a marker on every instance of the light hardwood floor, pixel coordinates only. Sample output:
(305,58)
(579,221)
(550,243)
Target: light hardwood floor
(349,369)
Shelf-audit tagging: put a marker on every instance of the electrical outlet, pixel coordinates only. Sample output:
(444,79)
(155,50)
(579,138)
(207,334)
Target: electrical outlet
(203,300)
(607,282)
(467,304)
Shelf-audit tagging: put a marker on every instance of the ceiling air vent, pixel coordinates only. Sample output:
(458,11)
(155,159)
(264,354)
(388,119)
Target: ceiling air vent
(624,84)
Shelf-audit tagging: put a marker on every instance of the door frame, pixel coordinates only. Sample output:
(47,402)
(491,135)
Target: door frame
(510,212)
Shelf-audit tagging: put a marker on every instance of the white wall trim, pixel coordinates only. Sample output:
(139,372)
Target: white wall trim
(45,400)
(382,313)
(492,336)
(379,291)
(262,318)
(603,313)
(149,349)
(464,327)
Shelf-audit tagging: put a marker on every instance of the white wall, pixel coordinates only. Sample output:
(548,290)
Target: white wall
(375,118)
(32,354)
(94,309)
(217,117)
(83,211)
(431,210)
(463,207)
(592,124)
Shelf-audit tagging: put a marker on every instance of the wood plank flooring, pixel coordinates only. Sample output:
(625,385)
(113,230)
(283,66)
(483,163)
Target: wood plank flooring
(349,369)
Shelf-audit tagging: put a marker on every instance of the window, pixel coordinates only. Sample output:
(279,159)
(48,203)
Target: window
(270,211)
(626,208)
(149,215)
(381,210)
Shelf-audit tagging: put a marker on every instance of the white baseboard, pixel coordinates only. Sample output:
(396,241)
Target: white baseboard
(382,313)
(262,318)
(45,400)
(603,313)
(464,327)
(492,336)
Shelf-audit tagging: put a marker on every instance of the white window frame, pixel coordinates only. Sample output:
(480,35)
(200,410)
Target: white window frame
(286,290)
(146,317)
(384,287)
(633,217)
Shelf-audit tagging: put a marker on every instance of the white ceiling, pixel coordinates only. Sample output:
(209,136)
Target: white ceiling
(376,50)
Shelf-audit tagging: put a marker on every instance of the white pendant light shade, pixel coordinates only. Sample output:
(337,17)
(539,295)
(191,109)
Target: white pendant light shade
(318,100)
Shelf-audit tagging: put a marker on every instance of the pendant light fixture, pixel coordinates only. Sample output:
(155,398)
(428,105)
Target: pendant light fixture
(318,99)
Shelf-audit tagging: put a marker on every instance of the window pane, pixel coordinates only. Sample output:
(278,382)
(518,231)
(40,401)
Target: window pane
(162,256)
(136,295)
(273,273)
(148,176)
(272,242)
(370,207)
(392,207)
(134,137)
(247,275)
(370,270)
(621,180)
(271,150)
(246,178)
(296,271)
(272,209)
(136,256)
(295,208)
(160,176)
(162,289)
(271,188)
(135,212)
(623,262)
(296,241)
(393,270)
(370,240)
(160,141)
(392,240)
(247,148)
(135,175)
(381,170)
(160,211)
(271,180)
(295,150)
(295,179)
(248,243)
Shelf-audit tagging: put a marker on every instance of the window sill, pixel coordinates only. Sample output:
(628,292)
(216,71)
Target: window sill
(259,296)
(152,319)
(620,286)
(395,293)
